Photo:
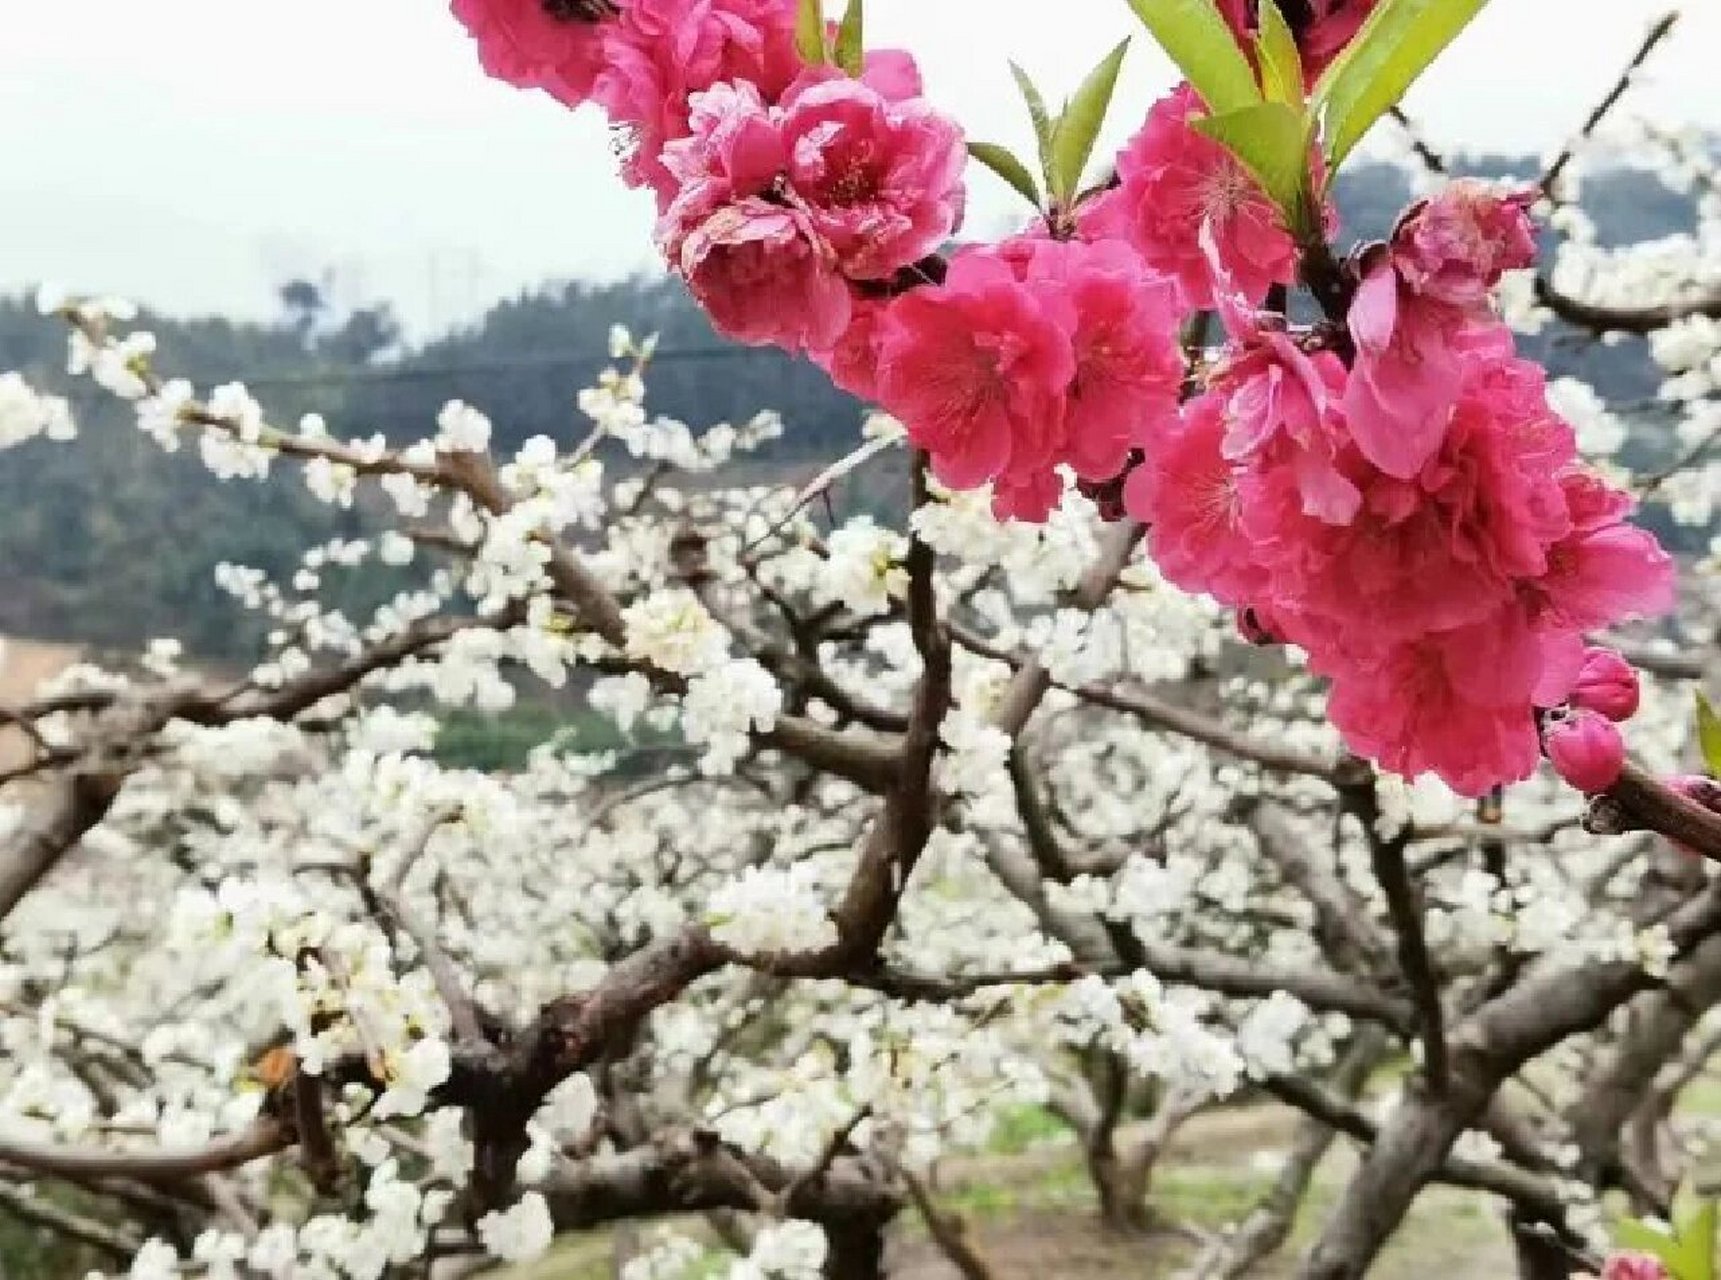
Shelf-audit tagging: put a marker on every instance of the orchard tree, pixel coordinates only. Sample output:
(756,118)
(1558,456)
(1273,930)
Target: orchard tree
(1185,742)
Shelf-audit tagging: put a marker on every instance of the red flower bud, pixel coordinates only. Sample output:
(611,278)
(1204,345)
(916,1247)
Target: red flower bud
(1586,750)
(1606,685)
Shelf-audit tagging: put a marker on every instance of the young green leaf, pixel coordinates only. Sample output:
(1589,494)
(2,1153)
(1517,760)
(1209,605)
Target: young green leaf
(1281,64)
(1639,1237)
(1202,46)
(1038,114)
(1396,45)
(1694,1218)
(851,38)
(1004,163)
(1709,736)
(1271,140)
(810,33)
(1079,127)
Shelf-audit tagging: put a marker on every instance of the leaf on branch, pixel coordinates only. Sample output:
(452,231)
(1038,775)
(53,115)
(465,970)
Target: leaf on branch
(810,33)
(1271,140)
(1003,162)
(851,38)
(1079,127)
(1197,39)
(1038,113)
(1281,63)
(1709,736)
(1396,45)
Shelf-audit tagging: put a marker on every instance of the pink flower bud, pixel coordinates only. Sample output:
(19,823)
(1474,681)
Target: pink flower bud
(1634,1266)
(1606,684)
(1586,750)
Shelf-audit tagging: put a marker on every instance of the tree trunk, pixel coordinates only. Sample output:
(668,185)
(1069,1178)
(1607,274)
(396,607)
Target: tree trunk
(857,1250)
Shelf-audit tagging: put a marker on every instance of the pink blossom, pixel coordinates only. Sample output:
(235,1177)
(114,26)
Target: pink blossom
(1586,749)
(1603,571)
(1172,181)
(1186,492)
(1454,247)
(735,148)
(880,180)
(1413,312)
(1030,493)
(1634,1266)
(1406,374)
(1122,324)
(852,361)
(763,274)
(660,53)
(1283,404)
(1446,547)
(537,44)
(976,369)
(1454,703)
(1606,684)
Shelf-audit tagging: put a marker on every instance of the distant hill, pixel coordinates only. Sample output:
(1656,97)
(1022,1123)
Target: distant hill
(111,541)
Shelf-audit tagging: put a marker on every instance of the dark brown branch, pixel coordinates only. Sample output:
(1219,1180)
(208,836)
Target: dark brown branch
(1639,802)
(1658,32)
(1361,798)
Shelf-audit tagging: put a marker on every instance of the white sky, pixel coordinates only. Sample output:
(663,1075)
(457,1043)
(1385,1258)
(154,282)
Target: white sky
(195,153)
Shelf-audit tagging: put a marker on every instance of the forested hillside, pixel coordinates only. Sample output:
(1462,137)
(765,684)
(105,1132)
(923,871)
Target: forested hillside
(137,562)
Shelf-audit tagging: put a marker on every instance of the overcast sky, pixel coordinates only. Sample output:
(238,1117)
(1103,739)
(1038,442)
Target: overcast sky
(193,154)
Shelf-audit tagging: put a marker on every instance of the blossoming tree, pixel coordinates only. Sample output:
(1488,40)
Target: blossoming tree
(1183,743)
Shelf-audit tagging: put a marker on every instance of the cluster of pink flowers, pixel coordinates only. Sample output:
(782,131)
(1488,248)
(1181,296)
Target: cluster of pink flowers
(1399,500)
(791,196)
(1032,356)
(1445,589)
(785,215)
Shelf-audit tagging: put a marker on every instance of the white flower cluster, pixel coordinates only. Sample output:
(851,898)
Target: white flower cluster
(772,911)
(24,414)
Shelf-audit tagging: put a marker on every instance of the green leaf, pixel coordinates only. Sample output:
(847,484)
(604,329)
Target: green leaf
(810,33)
(1003,162)
(1640,1237)
(1395,46)
(851,38)
(1694,1218)
(1709,736)
(1202,46)
(1281,64)
(1079,127)
(1039,115)
(1271,140)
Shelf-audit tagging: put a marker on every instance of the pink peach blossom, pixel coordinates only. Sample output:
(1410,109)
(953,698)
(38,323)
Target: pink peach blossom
(976,369)
(852,361)
(1634,1266)
(660,53)
(764,275)
(1455,246)
(1413,313)
(1122,323)
(1186,492)
(1453,703)
(880,180)
(538,45)
(1172,181)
